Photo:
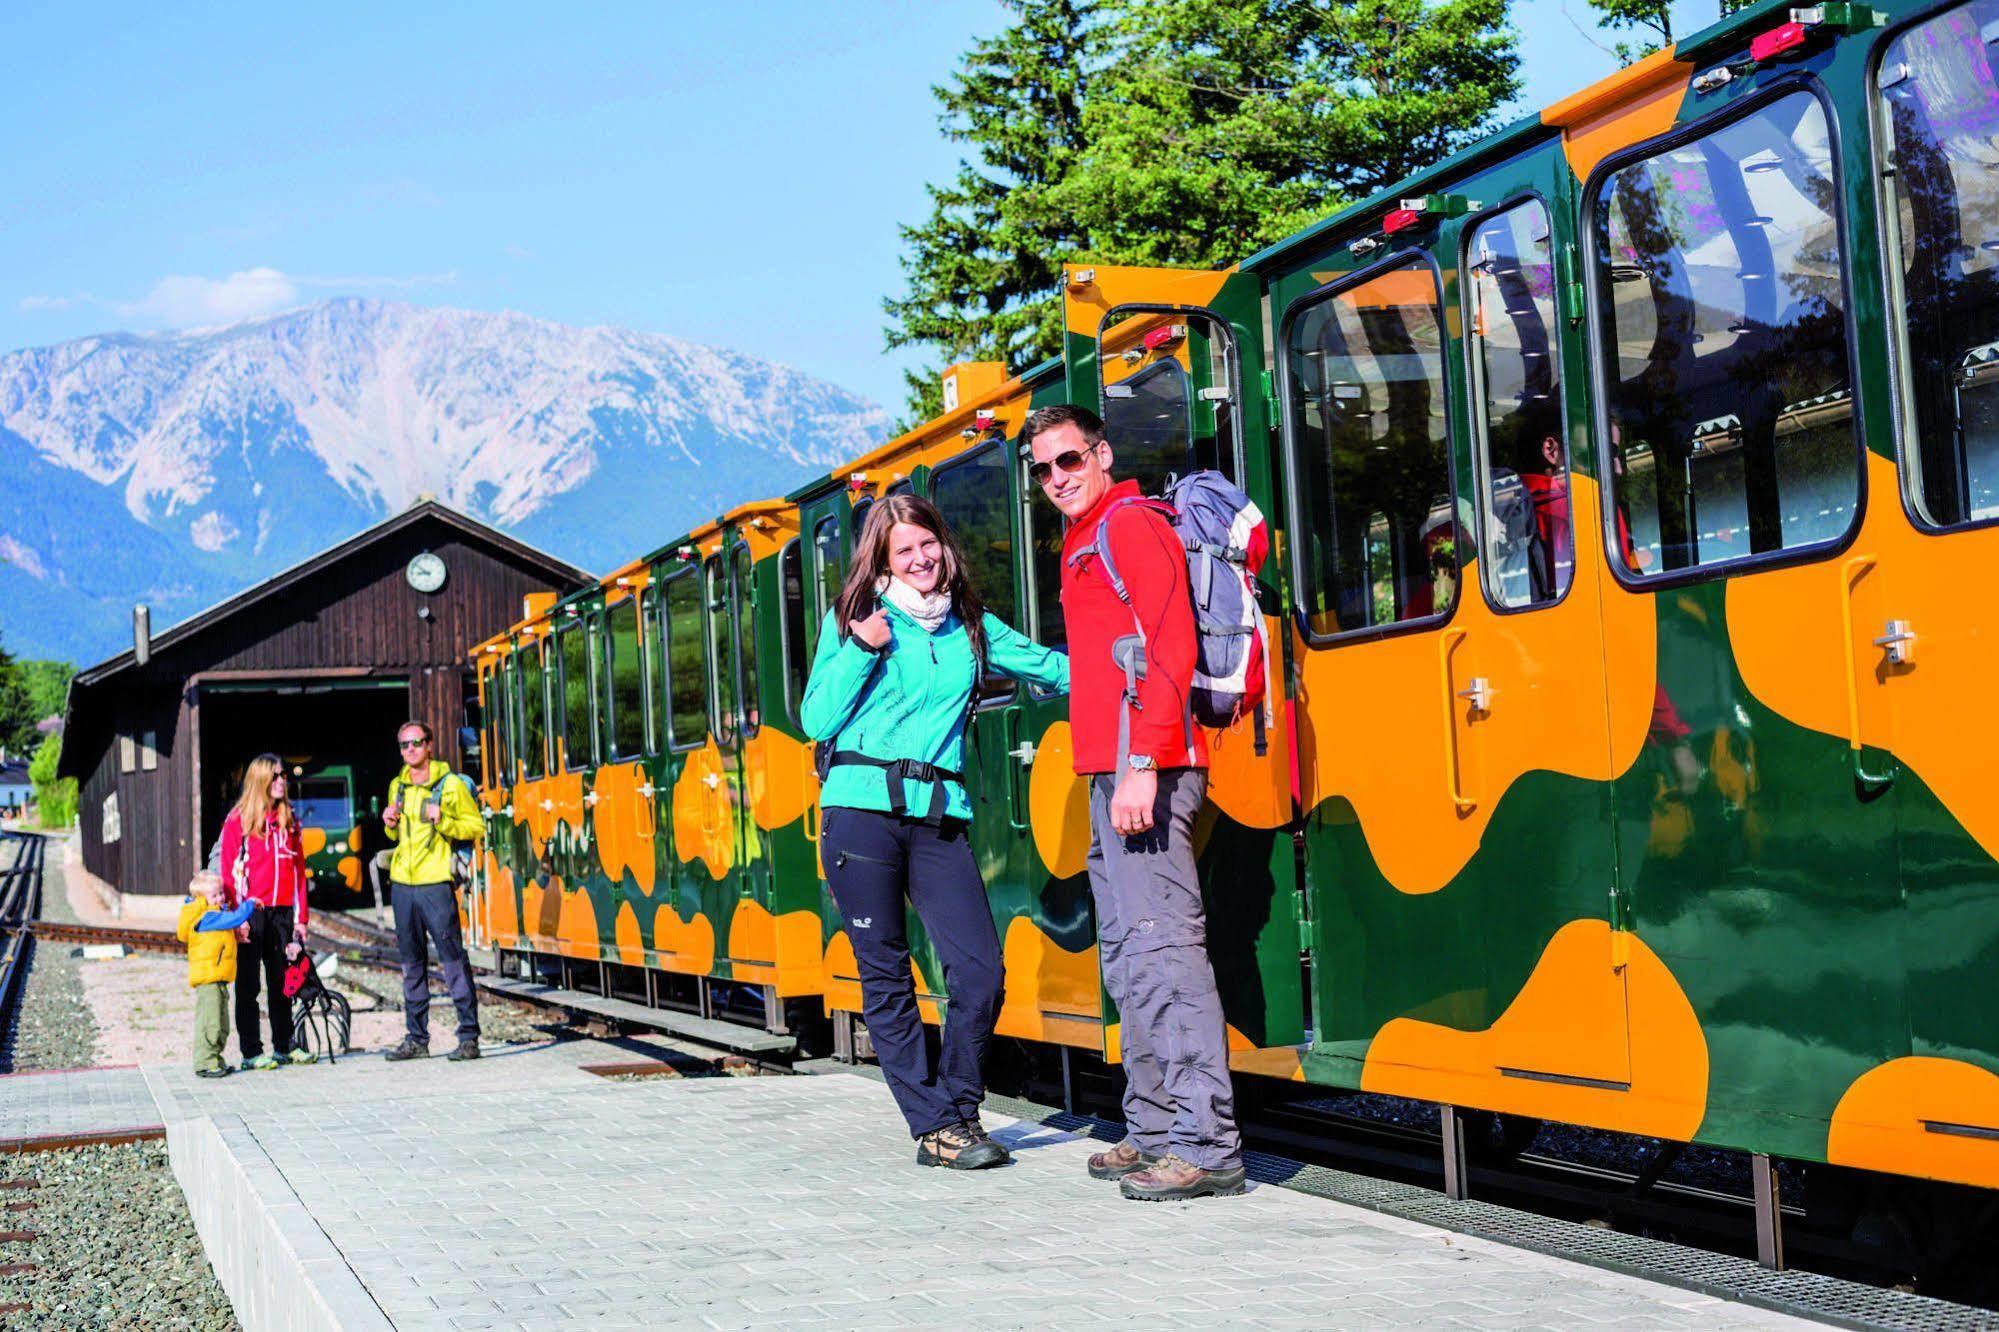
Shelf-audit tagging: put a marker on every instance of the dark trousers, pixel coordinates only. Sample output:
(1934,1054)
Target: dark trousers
(432,909)
(873,862)
(270,931)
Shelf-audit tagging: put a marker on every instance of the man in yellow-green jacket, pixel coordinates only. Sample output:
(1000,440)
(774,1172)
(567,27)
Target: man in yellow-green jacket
(430,807)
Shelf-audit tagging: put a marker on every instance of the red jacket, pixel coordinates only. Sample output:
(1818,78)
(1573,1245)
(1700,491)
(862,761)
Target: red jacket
(276,871)
(1154,567)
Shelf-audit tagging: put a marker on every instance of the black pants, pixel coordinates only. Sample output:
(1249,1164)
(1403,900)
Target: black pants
(432,909)
(270,931)
(873,862)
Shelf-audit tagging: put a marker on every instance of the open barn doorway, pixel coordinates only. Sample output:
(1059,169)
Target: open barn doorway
(337,738)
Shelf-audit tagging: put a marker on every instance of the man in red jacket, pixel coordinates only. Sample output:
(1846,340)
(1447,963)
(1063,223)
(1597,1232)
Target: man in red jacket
(1147,764)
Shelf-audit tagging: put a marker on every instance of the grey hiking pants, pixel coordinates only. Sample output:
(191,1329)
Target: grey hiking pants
(1152,937)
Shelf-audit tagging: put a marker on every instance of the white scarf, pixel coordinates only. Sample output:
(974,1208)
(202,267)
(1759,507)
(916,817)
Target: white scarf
(927,609)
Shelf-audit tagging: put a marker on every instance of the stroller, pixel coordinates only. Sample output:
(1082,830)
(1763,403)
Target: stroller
(321,1017)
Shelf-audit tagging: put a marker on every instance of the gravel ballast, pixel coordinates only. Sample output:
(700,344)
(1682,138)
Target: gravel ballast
(114,1246)
(53,1027)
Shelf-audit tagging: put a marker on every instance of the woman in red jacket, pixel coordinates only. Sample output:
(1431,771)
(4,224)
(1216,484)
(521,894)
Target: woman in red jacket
(262,858)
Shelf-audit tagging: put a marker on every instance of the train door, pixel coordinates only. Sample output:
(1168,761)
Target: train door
(752,952)
(574,909)
(690,856)
(1173,359)
(623,813)
(1454,738)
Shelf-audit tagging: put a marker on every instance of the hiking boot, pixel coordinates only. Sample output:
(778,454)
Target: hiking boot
(1121,1160)
(465,1050)
(409,1049)
(258,1063)
(301,1056)
(219,1071)
(959,1148)
(1170,1179)
(979,1134)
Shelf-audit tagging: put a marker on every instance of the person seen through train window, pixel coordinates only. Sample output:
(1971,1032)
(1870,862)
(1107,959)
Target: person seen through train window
(1179,1106)
(263,859)
(893,686)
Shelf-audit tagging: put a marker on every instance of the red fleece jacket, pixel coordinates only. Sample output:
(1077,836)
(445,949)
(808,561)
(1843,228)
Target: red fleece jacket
(276,866)
(1154,568)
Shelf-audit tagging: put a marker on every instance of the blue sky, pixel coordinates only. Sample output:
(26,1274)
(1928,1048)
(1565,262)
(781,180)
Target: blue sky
(726,174)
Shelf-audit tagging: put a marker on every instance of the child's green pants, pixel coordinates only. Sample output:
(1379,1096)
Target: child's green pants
(211,1023)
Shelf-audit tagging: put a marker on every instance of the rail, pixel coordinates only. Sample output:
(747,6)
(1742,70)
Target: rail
(20,900)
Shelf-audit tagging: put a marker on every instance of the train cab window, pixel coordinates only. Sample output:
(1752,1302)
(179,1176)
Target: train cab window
(797,660)
(1729,387)
(652,654)
(1939,104)
(534,712)
(1166,406)
(1526,538)
(1044,540)
(860,521)
(572,649)
(687,662)
(971,492)
(502,711)
(826,566)
(1364,379)
(743,610)
(626,674)
(721,666)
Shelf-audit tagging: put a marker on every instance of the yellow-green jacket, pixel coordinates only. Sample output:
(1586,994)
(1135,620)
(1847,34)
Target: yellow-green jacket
(423,851)
(211,951)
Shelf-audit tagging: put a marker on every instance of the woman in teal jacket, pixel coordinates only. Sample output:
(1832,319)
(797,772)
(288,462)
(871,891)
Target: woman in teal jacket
(893,687)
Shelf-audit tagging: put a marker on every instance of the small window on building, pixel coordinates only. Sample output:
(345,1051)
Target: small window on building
(1730,393)
(1523,449)
(149,751)
(534,711)
(128,754)
(687,661)
(578,747)
(627,680)
(797,660)
(1379,542)
(1939,99)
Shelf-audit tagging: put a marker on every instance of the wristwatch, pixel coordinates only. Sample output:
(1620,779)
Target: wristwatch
(1142,763)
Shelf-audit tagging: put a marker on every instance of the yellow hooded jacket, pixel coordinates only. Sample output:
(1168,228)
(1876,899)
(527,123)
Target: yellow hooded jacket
(211,954)
(423,850)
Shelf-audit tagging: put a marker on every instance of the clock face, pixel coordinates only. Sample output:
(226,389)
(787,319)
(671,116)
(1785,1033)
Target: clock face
(426,572)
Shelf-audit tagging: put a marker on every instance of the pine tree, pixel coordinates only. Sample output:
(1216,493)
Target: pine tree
(1222,125)
(984,269)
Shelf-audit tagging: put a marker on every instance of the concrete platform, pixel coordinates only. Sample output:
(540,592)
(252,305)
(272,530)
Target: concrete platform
(522,1191)
(43,1105)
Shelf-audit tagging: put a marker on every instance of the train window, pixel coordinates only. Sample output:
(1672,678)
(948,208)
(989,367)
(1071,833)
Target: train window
(1729,389)
(687,662)
(534,715)
(1149,421)
(653,654)
(797,659)
(826,560)
(1044,541)
(721,663)
(743,611)
(860,520)
(626,673)
(1528,543)
(1939,97)
(1364,379)
(572,650)
(971,492)
(502,712)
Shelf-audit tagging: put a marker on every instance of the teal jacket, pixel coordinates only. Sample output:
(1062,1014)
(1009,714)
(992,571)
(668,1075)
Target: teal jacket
(910,701)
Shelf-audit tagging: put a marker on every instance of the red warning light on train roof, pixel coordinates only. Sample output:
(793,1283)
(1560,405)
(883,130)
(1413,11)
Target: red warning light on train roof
(1784,37)
(1164,335)
(1401,219)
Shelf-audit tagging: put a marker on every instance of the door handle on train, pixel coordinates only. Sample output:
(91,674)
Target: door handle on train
(1849,574)
(650,822)
(1899,643)
(1452,786)
(1024,751)
(809,822)
(712,780)
(1015,796)
(592,798)
(1479,694)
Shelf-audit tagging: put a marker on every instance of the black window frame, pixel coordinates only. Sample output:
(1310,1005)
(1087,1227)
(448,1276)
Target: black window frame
(1474,399)
(1893,302)
(1290,461)
(608,696)
(1599,326)
(996,690)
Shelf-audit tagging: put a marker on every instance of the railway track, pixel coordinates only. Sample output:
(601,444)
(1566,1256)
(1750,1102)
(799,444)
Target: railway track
(20,901)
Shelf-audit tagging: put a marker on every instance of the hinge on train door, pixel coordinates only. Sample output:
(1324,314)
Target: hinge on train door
(1269,384)
(1573,295)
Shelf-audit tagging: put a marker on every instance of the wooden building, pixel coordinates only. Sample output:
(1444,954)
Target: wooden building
(318,664)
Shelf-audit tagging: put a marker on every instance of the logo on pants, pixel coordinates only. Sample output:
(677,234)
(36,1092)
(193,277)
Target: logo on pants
(864,922)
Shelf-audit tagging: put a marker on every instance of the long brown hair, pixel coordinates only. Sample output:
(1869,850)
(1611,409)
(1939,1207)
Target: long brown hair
(857,597)
(255,804)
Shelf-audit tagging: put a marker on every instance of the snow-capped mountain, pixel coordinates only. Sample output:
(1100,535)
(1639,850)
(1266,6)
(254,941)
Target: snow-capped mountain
(178,468)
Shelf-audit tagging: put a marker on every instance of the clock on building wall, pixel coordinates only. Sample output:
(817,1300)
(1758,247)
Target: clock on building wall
(426,572)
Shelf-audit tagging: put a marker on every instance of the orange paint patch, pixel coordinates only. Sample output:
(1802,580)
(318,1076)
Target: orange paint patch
(1254,790)
(1633,105)
(631,943)
(354,839)
(312,841)
(1568,1021)
(1930,712)
(1880,1123)
(775,950)
(702,812)
(1084,307)
(576,930)
(350,872)
(502,912)
(625,821)
(684,946)
(1051,993)
(1573,687)
(1058,803)
(778,771)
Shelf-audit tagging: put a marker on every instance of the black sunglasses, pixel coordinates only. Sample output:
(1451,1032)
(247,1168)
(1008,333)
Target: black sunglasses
(411,744)
(1069,460)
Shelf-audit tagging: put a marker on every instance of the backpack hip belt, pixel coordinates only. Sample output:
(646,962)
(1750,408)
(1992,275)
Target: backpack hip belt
(898,771)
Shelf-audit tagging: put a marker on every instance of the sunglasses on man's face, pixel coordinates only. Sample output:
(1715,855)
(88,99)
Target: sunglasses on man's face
(412,744)
(1069,460)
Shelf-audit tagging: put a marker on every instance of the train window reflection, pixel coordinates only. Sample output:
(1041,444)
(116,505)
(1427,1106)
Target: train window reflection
(534,702)
(721,660)
(1939,91)
(742,611)
(578,746)
(1379,540)
(1528,543)
(826,563)
(1729,384)
(687,663)
(1148,420)
(797,657)
(652,652)
(971,492)
(627,680)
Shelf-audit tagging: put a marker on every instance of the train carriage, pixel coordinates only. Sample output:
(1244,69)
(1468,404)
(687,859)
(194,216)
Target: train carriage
(1634,478)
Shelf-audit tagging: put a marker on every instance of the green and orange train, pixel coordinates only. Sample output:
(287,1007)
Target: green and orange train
(1635,478)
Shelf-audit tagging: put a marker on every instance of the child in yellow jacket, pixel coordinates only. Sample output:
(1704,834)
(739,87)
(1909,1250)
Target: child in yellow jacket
(208,927)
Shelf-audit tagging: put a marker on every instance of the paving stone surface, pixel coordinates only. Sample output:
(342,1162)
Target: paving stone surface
(523,1192)
(90,1100)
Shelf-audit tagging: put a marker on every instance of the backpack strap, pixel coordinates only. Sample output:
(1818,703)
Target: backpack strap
(1100,544)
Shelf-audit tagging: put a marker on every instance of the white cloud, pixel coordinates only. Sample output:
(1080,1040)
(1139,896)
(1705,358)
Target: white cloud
(179,301)
(31,303)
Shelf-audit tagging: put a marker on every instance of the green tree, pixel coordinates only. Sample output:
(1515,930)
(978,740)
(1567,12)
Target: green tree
(1222,125)
(984,267)
(1651,20)
(17,707)
(48,685)
(55,798)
